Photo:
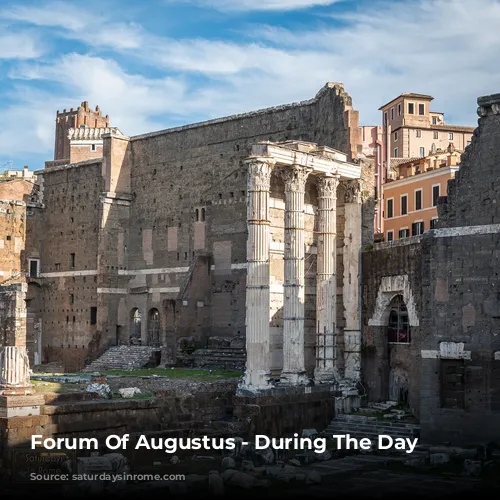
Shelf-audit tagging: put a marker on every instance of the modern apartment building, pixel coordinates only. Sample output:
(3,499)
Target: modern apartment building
(410,199)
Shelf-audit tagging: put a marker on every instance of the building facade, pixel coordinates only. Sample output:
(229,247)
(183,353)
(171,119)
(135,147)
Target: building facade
(411,199)
(149,242)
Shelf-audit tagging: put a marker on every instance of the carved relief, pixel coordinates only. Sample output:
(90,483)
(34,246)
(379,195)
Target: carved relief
(295,177)
(327,186)
(259,174)
(352,192)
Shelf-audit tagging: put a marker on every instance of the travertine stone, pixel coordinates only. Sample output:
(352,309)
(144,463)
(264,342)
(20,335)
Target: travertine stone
(293,373)
(352,249)
(326,279)
(257,291)
(14,371)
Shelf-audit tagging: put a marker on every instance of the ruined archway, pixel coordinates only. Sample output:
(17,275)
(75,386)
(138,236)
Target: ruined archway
(135,326)
(154,327)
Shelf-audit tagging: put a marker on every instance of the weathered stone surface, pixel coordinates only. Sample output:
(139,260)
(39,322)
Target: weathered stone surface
(129,392)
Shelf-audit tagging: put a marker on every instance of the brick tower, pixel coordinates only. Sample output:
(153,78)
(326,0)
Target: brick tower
(82,116)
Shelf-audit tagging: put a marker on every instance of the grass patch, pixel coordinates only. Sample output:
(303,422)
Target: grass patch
(57,387)
(178,373)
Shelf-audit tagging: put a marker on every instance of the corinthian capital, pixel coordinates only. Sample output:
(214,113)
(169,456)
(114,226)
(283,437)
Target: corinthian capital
(259,173)
(295,177)
(352,191)
(327,185)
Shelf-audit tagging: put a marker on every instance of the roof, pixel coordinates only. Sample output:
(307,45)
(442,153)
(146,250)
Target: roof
(87,133)
(411,95)
(453,128)
(396,162)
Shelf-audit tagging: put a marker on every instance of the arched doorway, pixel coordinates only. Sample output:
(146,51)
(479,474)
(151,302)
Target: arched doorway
(135,327)
(399,340)
(154,327)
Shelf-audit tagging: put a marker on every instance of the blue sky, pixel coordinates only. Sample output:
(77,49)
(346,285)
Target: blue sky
(160,63)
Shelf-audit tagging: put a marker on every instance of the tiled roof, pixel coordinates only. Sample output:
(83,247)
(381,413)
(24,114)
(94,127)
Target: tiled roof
(395,162)
(453,128)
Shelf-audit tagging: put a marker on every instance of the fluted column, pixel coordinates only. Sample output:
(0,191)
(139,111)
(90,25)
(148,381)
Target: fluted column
(14,371)
(293,373)
(352,302)
(257,373)
(326,280)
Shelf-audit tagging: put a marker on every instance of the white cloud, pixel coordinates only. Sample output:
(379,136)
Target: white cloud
(19,46)
(261,5)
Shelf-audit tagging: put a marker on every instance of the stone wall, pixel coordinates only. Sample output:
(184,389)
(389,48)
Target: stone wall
(12,240)
(163,218)
(390,270)
(282,415)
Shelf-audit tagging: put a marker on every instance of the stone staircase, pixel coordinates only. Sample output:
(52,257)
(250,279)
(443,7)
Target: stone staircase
(122,357)
(223,357)
(359,426)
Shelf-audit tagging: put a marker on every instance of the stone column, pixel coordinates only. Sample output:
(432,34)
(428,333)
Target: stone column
(352,304)
(14,371)
(326,280)
(294,290)
(257,373)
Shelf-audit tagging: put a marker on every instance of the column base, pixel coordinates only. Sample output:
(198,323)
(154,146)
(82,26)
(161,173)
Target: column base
(20,406)
(16,391)
(294,379)
(326,376)
(256,382)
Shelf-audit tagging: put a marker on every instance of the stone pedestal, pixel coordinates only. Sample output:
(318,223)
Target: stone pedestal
(21,406)
(14,371)
(326,281)
(294,287)
(257,373)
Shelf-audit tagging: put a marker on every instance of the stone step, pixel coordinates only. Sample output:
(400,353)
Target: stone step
(122,358)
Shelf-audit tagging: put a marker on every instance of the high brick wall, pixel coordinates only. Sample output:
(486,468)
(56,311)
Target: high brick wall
(172,233)
(12,238)
(388,271)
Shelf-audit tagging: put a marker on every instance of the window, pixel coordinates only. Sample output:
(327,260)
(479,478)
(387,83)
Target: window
(418,199)
(196,215)
(452,382)
(203,215)
(34,266)
(411,108)
(71,298)
(434,120)
(395,136)
(399,109)
(395,152)
(93,315)
(135,325)
(390,235)
(392,113)
(419,133)
(404,233)
(433,223)
(417,228)
(72,260)
(450,136)
(421,109)
(385,118)
(93,147)
(436,134)
(8,237)
(390,208)
(404,204)
(399,326)
(436,189)
(422,151)
(57,266)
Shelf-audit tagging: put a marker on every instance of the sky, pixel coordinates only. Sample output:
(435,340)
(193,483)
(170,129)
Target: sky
(163,63)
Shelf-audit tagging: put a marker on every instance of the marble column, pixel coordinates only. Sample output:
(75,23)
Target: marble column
(352,302)
(293,372)
(257,373)
(326,280)
(14,371)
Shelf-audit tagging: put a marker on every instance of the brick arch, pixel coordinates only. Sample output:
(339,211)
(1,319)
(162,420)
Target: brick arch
(390,287)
